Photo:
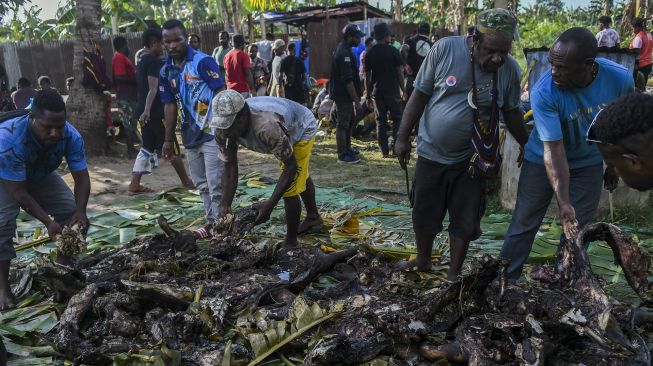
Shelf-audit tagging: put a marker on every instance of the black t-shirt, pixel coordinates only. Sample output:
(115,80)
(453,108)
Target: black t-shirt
(381,62)
(149,65)
(293,70)
(343,70)
(419,48)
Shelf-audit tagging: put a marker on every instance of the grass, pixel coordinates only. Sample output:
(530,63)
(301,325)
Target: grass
(385,175)
(373,172)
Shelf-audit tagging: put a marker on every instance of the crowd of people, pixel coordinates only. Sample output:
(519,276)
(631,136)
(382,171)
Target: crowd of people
(451,94)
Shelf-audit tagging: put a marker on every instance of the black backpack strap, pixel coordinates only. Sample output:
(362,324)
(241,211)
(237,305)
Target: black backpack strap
(13,114)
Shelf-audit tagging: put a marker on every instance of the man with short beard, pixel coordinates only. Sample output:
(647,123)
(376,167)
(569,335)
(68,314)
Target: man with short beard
(462,85)
(33,145)
(188,81)
(558,159)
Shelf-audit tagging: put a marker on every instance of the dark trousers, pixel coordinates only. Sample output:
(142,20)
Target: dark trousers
(385,104)
(342,114)
(534,194)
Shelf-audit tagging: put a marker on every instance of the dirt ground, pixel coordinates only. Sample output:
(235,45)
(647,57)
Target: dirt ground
(111,175)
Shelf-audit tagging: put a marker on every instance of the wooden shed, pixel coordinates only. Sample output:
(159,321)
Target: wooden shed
(323,25)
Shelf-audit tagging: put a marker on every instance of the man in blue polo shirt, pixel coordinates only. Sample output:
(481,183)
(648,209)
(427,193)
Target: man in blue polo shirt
(31,148)
(188,81)
(558,159)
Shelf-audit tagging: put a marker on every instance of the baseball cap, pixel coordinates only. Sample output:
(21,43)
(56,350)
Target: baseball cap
(278,43)
(225,106)
(352,30)
(424,27)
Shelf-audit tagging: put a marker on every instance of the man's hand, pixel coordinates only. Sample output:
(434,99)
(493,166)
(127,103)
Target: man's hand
(264,210)
(568,219)
(358,107)
(402,150)
(54,229)
(610,178)
(224,211)
(167,150)
(81,219)
(144,118)
(370,104)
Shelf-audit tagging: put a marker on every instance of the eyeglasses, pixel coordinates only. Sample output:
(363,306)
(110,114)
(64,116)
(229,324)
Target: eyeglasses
(591,137)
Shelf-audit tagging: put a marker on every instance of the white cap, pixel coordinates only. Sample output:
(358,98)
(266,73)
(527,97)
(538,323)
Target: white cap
(278,43)
(225,106)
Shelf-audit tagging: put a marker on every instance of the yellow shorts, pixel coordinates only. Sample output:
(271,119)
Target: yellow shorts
(302,151)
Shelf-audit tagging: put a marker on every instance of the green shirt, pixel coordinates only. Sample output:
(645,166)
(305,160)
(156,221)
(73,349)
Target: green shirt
(219,53)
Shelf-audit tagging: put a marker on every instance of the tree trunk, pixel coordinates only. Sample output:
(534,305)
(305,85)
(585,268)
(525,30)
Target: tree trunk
(398,11)
(607,7)
(86,106)
(235,6)
(227,19)
(262,23)
(630,11)
(114,24)
(250,28)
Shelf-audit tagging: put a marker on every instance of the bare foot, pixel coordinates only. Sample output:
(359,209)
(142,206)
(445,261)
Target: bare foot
(188,185)
(310,224)
(7,300)
(140,189)
(290,244)
(412,265)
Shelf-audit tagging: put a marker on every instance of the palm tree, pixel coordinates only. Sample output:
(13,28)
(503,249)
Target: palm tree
(85,105)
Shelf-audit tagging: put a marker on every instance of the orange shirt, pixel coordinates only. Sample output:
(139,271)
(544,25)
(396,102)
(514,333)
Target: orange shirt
(644,41)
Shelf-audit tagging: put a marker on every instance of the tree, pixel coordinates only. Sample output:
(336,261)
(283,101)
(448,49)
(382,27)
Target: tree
(85,105)
(10,5)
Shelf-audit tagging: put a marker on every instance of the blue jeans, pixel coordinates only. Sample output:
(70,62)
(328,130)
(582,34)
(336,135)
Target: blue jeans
(206,173)
(534,194)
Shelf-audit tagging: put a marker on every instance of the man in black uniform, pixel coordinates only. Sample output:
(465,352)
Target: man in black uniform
(414,51)
(294,77)
(345,90)
(384,79)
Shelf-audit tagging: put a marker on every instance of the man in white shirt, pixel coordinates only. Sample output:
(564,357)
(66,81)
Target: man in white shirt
(265,48)
(607,37)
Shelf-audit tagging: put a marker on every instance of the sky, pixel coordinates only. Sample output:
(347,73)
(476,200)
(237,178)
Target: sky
(49,7)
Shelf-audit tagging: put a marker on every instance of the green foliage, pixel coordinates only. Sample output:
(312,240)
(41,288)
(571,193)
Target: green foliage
(7,6)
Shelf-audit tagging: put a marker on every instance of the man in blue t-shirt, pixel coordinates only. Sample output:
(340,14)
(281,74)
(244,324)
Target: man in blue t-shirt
(558,159)
(188,81)
(33,145)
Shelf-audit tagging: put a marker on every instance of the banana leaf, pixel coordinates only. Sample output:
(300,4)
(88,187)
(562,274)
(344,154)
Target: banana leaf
(266,336)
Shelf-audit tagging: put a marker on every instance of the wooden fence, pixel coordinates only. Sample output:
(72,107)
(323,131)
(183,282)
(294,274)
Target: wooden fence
(55,58)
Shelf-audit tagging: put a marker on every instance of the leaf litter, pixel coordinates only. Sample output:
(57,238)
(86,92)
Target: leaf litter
(245,300)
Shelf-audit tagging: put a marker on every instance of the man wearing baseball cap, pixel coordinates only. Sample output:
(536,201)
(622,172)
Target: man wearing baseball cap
(276,85)
(414,51)
(384,79)
(345,90)
(276,126)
